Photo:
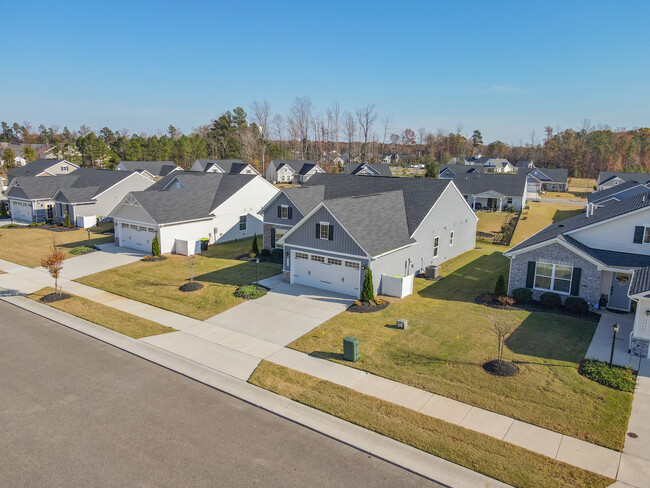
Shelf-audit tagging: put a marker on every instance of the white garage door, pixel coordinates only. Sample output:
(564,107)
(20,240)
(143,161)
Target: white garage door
(333,274)
(21,211)
(136,236)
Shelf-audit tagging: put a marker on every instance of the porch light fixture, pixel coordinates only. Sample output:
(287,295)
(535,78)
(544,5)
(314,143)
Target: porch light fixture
(611,356)
(647,312)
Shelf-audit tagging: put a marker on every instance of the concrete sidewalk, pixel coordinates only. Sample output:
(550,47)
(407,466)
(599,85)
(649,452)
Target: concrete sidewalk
(600,347)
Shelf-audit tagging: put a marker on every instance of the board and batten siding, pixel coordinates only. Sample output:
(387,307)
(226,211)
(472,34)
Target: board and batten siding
(616,234)
(271,213)
(106,202)
(305,236)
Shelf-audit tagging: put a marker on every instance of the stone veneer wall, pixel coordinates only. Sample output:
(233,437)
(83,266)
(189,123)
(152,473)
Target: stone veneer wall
(556,254)
(266,241)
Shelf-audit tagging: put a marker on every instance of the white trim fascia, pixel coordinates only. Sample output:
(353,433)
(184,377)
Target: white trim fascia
(374,258)
(181,222)
(122,203)
(314,250)
(638,210)
(128,221)
(451,184)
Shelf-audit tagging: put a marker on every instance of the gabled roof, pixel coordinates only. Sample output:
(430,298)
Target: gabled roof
(298,166)
(640,283)
(610,258)
(513,185)
(571,224)
(305,197)
(155,168)
(200,194)
(605,176)
(525,163)
(458,169)
(37,166)
(554,175)
(420,194)
(610,192)
(380,169)
(228,166)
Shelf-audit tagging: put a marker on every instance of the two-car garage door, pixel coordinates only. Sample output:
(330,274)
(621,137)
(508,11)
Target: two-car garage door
(333,274)
(136,236)
(21,211)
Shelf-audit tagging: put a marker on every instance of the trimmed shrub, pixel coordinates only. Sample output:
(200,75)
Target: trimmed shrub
(277,255)
(522,295)
(250,292)
(66,222)
(576,305)
(618,378)
(255,248)
(266,253)
(550,300)
(500,288)
(155,245)
(368,291)
(3,210)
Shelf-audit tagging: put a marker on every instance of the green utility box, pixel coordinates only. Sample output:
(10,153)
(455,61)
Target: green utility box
(351,349)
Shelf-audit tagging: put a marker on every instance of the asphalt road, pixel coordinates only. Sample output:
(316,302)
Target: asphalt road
(75,412)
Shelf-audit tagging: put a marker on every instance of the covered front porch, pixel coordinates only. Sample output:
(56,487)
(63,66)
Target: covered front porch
(489,200)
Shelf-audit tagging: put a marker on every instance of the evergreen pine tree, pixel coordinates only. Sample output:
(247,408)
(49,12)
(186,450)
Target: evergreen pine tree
(155,245)
(500,288)
(3,211)
(66,222)
(367,292)
(255,249)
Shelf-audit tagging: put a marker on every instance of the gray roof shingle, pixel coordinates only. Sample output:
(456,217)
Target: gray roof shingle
(34,168)
(156,168)
(382,169)
(640,281)
(458,169)
(299,166)
(229,166)
(605,176)
(511,185)
(555,175)
(603,194)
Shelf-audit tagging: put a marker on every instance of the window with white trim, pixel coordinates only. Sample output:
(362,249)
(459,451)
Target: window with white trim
(242,222)
(284,211)
(436,244)
(64,168)
(451,238)
(509,201)
(278,234)
(302,255)
(553,277)
(320,259)
(336,262)
(324,230)
(646,236)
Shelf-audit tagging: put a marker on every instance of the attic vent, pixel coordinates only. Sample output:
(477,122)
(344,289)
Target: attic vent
(364,196)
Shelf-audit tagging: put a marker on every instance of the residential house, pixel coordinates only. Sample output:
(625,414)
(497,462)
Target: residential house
(43,167)
(226,166)
(291,171)
(185,207)
(19,149)
(492,191)
(639,292)
(616,193)
(85,195)
(524,164)
(448,171)
(153,169)
(367,169)
(609,179)
(593,255)
(336,226)
(539,180)
(490,165)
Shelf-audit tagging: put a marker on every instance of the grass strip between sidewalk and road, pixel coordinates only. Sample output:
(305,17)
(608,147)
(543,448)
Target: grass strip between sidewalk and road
(111,318)
(498,459)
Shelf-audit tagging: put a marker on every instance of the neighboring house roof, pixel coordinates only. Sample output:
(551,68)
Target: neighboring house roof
(200,194)
(640,283)
(476,183)
(571,224)
(37,167)
(458,169)
(605,176)
(33,188)
(379,169)
(18,149)
(554,175)
(485,160)
(419,194)
(305,198)
(525,163)
(229,166)
(298,166)
(611,192)
(154,168)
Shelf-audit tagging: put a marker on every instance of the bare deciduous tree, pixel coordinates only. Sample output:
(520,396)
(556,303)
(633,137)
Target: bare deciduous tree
(366,117)
(502,327)
(261,113)
(191,263)
(334,116)
(350,128)
(385,121)
(299,122)
(278,127)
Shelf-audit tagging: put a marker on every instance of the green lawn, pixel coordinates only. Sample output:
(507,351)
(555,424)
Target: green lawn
(111,318)
(539,215)
(449,339)
(512,464)
(157,283)
(490,222)
(28,245)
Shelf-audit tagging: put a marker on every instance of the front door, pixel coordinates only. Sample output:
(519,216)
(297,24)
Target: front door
(618,299)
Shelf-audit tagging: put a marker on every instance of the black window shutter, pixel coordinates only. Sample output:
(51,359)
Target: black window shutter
(638,234)
(331,233)
(289,212)
(317,230)
(530,277)
(273,238)
(575,281)
(279,211)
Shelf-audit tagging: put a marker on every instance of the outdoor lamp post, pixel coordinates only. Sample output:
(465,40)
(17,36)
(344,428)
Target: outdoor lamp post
(257,271)
(611,356)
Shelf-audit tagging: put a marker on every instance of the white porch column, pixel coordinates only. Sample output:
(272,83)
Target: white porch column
(500,204)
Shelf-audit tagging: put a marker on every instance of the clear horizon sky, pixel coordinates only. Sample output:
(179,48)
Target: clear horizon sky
(505,68)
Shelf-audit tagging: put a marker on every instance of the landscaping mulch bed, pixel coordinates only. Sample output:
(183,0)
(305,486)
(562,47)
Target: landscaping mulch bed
(263,259)
(54,228)
(488,300)
(153,259)
(366,307)
(54,297)
(191,286)
(501,368)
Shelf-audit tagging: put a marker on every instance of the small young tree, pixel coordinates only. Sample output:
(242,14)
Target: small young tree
(502,328)
(500,288)
(53,262)
(191,262)
(155,245)
(255,248)
(66,222)
(3,211)
(367,291)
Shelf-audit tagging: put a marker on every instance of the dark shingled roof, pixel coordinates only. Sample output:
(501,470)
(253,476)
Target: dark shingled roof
(35,167)
(611,258)
(229,166)
(202,193)
(605,176)
(555,175)
(382,169)
(156,168)
(475,183)
(603,194)
(419,194)
(305,197)
(573,223)
(299,166)
(640,281)
(458,169)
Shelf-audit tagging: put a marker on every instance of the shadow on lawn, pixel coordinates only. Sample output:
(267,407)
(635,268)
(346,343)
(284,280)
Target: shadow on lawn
(465,283)
(94,241)
(565,214)
(242,273)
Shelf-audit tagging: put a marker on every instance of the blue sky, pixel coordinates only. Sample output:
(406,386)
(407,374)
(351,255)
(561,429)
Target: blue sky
(503,67)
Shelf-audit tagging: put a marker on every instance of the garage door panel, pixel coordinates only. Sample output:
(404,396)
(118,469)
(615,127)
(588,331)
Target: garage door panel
(332,274)
(136,236)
